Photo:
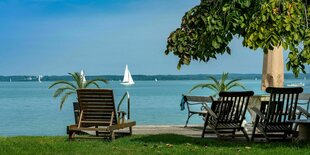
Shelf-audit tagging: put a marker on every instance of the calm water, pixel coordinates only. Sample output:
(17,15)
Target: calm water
(27,108)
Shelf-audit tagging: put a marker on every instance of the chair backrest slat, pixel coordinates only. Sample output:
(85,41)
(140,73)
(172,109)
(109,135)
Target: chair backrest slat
(97,106)
(233,106)
(282,104)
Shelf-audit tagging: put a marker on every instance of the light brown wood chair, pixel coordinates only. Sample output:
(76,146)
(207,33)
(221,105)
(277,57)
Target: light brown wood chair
(98,115)
(227,114)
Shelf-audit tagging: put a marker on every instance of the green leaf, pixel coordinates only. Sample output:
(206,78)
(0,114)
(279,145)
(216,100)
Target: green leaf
(215,44)
(288,27)
(285,46)
(64,98)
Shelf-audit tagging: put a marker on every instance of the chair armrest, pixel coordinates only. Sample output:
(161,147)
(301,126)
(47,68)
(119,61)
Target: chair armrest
(258,112)
(303,111)
(121,117)
(210,111)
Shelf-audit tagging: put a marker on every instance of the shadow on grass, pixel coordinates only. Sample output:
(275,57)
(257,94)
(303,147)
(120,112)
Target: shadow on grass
(213,142)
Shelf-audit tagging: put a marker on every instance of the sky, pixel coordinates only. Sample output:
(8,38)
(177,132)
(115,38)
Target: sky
(54,37)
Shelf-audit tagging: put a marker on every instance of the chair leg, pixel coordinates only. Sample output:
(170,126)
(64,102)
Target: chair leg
(234,133)
(295,125)
(254,128)
(217,133)
(205,126)
(285,135)
(188,117)
(266,136)
(97,132)
(130,131)
(112,135)
(71,135)
(245,134)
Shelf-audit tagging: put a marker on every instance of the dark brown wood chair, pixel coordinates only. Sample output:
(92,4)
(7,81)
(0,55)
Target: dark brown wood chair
(191,101)
(277,115)
(227,114)
(98,114)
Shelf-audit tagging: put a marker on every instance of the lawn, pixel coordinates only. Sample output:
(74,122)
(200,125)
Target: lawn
(145,144)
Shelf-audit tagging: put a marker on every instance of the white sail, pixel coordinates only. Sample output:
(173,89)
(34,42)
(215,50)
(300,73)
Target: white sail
(127,79)
(82,76)
(39,78)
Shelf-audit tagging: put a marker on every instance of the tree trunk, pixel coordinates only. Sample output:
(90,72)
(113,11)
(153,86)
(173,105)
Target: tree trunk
(273,69)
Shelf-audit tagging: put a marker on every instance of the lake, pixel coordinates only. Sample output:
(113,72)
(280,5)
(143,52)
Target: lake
(27,108)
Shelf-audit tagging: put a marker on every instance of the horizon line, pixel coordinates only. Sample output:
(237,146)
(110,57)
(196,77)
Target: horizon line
(153,74)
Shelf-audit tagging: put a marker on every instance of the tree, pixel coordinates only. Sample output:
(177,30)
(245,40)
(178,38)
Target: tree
(208,28)
(219,86)
(69,88)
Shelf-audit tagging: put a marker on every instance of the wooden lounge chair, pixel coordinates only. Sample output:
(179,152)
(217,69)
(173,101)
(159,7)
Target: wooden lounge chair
(98,114)
(276,116)
(227,114)
(196,100)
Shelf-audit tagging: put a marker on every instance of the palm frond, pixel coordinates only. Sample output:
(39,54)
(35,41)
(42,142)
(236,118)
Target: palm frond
(216,82)
(211,86)
(62,82)
(236,84)
(61,90)
(231,82)
(219,85)
(223,79)
(64,98)
(224,76)
(94,82)
(77,78)
(205,85)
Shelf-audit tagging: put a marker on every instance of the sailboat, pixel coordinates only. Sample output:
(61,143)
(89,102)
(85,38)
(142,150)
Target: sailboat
(127,80)
(39,78)
(296,84)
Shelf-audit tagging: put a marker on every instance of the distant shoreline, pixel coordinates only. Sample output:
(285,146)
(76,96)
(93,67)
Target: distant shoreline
(24,78)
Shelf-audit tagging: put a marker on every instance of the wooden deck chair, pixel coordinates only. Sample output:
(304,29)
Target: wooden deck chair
(196,100)
(228,114)
(276,115)
(98,114)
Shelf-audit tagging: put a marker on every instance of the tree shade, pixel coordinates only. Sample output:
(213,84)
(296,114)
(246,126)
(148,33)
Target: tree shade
(208,28)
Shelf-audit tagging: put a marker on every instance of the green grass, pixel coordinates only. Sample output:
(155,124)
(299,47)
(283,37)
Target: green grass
(146,144)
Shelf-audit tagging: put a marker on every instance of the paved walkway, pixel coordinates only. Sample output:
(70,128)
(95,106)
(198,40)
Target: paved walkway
(191,130)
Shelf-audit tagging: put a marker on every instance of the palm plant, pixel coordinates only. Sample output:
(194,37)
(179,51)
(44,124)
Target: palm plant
(68,88)
(218,86)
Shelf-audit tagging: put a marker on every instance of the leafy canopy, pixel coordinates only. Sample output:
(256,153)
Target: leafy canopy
(207,29)
(68,88)
(219,86)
